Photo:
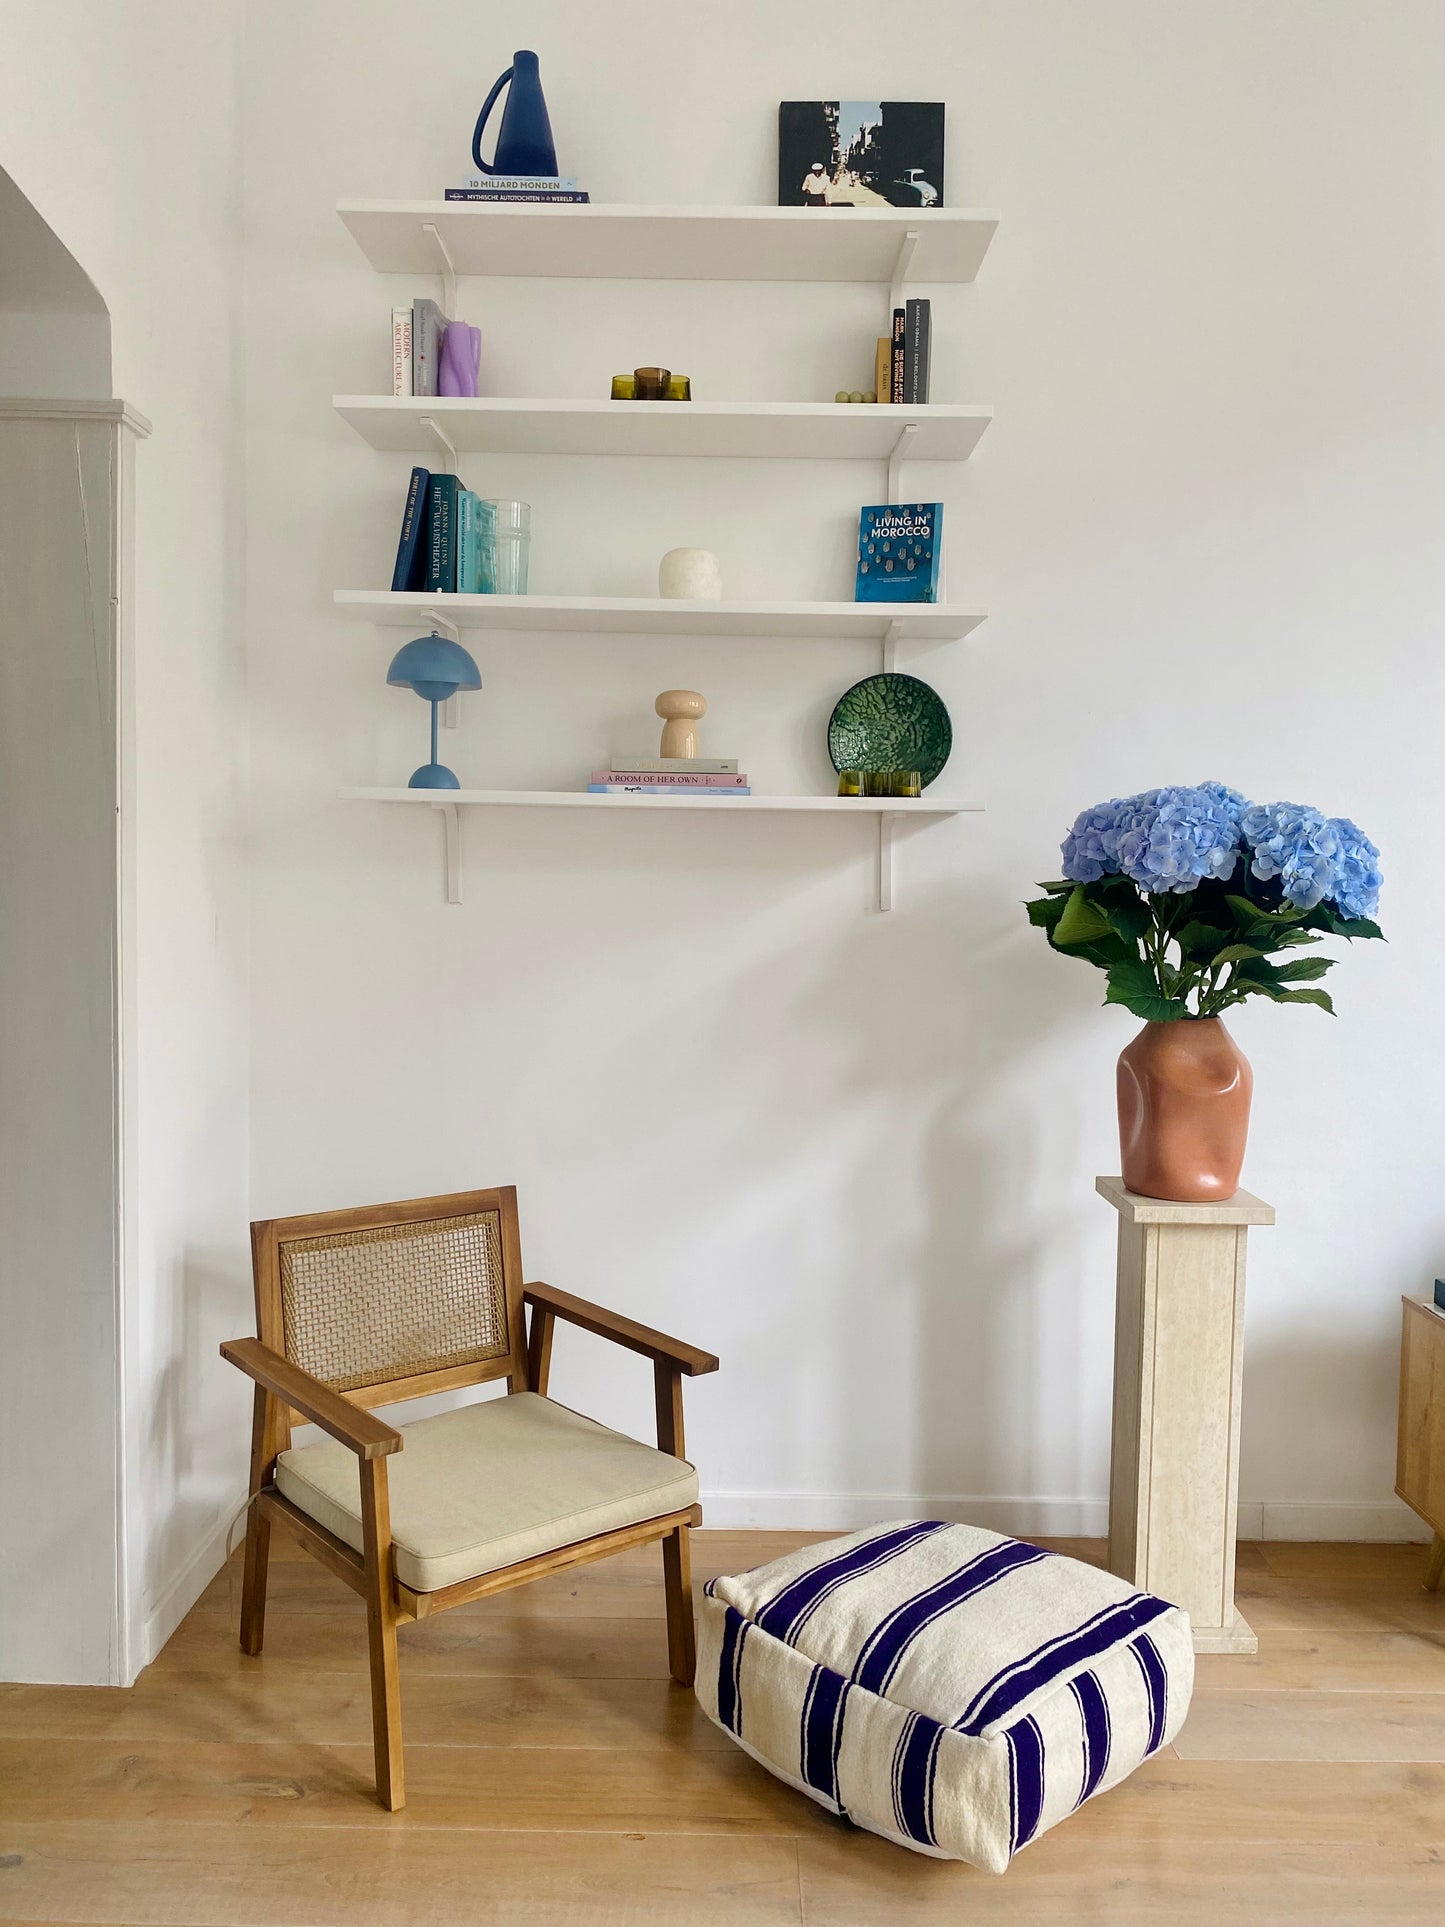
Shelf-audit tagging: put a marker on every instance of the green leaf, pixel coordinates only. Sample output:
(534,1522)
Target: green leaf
(1130,920)
(1303,970)
(1251,913)
(1082,921)
(1106,953)
(1260,972)
(1199,941)
(1320,997)
(1288,939)
(1353,927)
(1132,985)
(1060,889)
(1044,912)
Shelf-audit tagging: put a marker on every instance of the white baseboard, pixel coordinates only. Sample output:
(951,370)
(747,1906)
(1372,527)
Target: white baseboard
(1389,1522)
(846,1511)
(178,1596)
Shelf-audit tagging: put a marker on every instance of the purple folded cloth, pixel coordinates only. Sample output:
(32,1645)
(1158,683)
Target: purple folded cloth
(461,359)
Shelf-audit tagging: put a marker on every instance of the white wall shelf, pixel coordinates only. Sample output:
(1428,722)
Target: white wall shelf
(671,243)
(884,810)
(879,622)
(793,430)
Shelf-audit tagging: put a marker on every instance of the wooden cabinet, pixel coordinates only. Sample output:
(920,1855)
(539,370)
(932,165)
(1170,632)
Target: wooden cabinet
(1420,1466)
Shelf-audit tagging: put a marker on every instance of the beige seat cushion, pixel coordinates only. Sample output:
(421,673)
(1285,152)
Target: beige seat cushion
(490,1484)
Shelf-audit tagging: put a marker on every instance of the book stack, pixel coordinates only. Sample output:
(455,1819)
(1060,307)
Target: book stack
(910,354)
(416,348)
(446,541)
(713,776)
(519,187)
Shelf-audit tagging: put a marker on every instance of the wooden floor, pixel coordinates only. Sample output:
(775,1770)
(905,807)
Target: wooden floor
(555,1775)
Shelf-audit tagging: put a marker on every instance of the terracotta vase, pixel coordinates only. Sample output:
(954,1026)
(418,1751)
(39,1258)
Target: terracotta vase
(1184,1091)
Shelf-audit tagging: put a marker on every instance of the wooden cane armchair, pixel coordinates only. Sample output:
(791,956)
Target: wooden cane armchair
(356,1309)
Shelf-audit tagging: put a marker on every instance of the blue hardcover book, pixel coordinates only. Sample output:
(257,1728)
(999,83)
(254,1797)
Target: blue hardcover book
(1440,1294)
(441,534)
(406,573)
(899,545)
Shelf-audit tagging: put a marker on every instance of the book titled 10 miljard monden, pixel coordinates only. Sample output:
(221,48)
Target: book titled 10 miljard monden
(899,549)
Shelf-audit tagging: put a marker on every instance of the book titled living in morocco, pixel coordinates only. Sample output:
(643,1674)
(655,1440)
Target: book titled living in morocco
(899,546)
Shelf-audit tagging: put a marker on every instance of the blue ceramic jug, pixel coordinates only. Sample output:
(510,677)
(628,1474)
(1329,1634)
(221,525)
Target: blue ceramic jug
(524,144)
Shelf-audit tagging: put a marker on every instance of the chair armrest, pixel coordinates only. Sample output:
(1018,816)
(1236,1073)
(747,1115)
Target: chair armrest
(368,1437)
(622,1331)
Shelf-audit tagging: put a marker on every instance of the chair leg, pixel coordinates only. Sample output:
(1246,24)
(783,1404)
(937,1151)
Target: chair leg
(269,1434)
(1435,1571)
(253,1583)
(677,1584)
(381,1635)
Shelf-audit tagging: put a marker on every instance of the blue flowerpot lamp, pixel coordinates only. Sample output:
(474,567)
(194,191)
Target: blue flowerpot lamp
(436,668)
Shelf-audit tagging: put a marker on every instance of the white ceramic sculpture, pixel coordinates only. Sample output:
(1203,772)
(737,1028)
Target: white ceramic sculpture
(691,575)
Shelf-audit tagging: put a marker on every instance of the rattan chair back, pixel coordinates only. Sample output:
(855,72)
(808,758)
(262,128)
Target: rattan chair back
(393,1300)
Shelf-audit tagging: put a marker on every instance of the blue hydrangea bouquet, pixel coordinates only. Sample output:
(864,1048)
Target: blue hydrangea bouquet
(1185,896)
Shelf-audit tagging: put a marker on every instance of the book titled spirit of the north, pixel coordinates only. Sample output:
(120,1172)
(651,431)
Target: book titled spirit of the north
(898,552)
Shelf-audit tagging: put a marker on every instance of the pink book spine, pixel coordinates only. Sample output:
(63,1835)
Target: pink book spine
(669,779)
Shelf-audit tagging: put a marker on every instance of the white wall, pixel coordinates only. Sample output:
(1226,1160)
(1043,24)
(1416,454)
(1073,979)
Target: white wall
(120,125)
(852,1153)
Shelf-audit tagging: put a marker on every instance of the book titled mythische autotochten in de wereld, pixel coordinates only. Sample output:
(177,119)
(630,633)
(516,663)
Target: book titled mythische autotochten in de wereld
(899,545)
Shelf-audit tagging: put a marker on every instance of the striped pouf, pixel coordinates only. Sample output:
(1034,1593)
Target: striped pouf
(952,1690)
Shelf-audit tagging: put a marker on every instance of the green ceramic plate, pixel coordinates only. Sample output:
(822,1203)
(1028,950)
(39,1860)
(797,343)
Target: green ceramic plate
(891,722)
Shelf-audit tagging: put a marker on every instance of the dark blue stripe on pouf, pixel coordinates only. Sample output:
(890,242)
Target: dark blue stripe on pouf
(729,1666)
(887,1643)
(1156,1684)
(823,1713)
(785,1616)
(1094,1714)
(1026,1780)
(915,1760)
(1010,1688)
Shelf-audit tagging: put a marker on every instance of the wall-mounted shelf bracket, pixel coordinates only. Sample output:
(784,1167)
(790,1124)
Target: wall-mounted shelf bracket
(898,457)
(885,862)
(890,648)
(900,271)
(446,269)
(451,848)
(449,452)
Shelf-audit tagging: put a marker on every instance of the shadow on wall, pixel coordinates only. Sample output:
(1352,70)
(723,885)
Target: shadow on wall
(54,327)
(937,1078)
(197,1418)
(912,1201)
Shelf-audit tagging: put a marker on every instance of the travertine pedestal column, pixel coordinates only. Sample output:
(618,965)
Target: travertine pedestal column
(1178,1357)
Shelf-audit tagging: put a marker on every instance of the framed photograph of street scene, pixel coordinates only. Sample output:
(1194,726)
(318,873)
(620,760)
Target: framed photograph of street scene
(860,153)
